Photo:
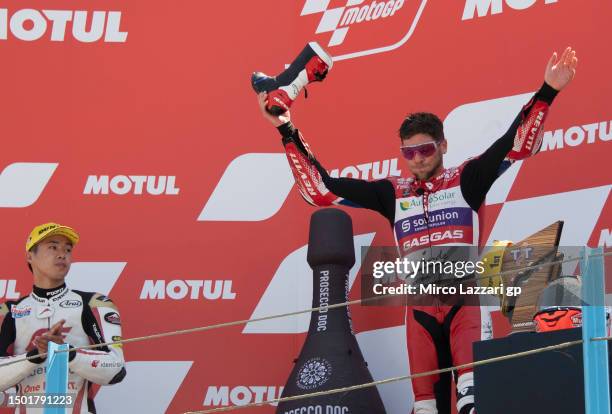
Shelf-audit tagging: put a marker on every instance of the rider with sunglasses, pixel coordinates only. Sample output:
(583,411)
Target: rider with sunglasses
(438,336)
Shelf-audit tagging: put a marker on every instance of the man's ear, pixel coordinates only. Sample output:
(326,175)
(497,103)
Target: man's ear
(29,257)
(444,146)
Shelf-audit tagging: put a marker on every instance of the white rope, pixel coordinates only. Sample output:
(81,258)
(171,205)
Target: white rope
(395,379)
(264,318)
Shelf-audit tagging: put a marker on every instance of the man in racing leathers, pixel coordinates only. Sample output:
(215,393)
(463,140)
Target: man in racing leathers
(438,336)
(53,312)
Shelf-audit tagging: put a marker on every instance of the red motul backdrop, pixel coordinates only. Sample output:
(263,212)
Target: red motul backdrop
(135,123)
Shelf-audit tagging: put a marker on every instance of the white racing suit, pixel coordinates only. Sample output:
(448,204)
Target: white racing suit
(91,318)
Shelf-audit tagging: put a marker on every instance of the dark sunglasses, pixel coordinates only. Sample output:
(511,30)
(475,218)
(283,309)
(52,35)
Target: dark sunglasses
(426,150)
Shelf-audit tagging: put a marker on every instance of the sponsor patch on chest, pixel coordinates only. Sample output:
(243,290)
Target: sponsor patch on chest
(21,311)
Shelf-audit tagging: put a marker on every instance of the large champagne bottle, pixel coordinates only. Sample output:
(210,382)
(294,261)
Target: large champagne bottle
(330,357)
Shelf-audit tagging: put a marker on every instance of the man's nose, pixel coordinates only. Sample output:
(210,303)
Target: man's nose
(418,157)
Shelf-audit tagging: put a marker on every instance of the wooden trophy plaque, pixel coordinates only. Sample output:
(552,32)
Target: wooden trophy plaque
(538,249)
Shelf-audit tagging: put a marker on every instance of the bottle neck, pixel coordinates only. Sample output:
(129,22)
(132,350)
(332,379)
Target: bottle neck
(330,286)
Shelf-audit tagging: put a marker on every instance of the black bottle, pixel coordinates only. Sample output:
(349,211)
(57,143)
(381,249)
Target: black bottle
(330,357)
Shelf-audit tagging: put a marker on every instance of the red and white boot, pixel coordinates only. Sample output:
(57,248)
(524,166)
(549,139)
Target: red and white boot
(311,65)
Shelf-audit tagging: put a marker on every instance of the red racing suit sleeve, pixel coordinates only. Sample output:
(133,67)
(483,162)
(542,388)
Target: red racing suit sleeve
(104,365)
(305,168)
(19,368)
(319,189)
(530,131)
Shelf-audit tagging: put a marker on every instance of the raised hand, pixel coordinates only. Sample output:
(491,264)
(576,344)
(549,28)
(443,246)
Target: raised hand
(276,120)
(560,72)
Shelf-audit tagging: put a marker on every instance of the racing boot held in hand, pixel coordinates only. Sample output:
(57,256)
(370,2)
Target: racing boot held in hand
(311,65)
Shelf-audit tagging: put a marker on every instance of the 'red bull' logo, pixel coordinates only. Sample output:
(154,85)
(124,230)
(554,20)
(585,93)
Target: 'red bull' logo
(354,28)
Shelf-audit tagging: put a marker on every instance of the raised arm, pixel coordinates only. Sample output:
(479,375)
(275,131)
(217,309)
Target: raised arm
(524,137)
(314,183)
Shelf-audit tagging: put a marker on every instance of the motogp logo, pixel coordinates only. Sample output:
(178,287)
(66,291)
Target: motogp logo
(356,28)
(314,373)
